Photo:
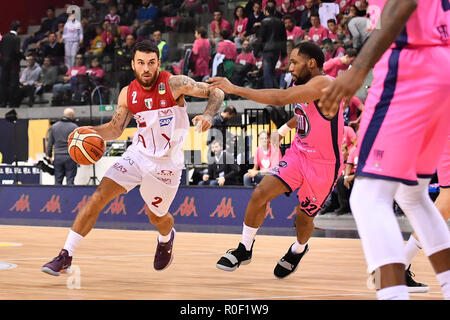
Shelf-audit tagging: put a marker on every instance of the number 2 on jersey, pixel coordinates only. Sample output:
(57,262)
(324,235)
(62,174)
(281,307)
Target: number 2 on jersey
(134,94)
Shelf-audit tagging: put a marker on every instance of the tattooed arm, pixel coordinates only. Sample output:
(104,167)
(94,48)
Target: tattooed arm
(183,85)
(121,117)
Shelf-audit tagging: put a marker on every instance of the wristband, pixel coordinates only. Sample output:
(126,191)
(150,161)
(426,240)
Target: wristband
(284,129)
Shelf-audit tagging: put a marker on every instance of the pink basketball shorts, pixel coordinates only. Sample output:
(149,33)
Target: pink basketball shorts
(314,180)
(406,116)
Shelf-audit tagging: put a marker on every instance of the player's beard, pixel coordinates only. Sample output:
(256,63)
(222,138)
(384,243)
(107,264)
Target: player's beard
(303,78)
(146,83)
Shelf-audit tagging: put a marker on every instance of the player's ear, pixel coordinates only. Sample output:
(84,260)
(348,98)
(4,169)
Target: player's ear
(132,65)
(312,63)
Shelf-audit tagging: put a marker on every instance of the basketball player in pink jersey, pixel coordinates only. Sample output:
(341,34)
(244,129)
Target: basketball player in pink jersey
(155,158)
(403,132)
(311,164)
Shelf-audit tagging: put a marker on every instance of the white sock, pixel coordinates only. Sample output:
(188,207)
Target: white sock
(72,241)
(393,293)
(412,247)
(248,235)
(164,239)
(297,247)
(444,281)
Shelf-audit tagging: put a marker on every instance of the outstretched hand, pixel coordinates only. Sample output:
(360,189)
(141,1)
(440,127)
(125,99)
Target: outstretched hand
(222,83)
(202,122)
(344,87)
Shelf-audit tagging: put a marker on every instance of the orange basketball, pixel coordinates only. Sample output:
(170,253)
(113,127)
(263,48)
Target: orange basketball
(85,146)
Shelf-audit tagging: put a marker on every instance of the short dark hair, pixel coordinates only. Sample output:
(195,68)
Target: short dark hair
(225,34)
(311,50)
(145,46)
(271,10)
(331,20)
(202,31)
(288,17)
(15,25)
(230,110)
(351,52)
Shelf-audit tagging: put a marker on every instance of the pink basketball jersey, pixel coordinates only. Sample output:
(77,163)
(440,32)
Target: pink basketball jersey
(429,24)
(318,138)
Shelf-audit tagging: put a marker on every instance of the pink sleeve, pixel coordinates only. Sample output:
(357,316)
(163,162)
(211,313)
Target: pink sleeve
(195,47)
(332,63)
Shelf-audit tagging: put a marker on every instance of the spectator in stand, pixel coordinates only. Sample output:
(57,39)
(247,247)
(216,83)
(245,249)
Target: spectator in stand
(163,49)
(102,8)
(344,5)
(147,16)
(217,25)
(222,170)
(62,92)
(273,40)
(240,25)
(10,56)
(47,79)
(293,32)
(218,129)
(283,67)
(47,26)
(317,32)
(228,49)
(63,16)
(357,27)
(332,29)
(267,155)
(128,14)
(73,38)
(226,46)
(328,10)
(254,20)
(353,112)
(92,75)
(334,67)
(54,49)
(288,8)
(310,9)
(245,63)
(201,54)
(123,59)
(112,16)
(273,3)
(96,48)
(110,37)
(349,137)
(332,49)
(28,82)
(343,36)
(59,32)
(278,3)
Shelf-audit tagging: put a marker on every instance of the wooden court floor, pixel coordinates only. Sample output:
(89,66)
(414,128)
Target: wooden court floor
(118,264)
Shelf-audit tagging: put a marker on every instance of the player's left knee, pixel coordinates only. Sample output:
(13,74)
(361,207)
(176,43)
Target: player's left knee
(302,220)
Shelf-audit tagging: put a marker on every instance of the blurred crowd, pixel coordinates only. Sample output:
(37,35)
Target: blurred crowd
(250,45)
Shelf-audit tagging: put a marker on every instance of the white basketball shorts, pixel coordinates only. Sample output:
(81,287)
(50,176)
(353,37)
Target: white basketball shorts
(158,179)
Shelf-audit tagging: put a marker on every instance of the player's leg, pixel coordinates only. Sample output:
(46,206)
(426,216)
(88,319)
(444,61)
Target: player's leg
(85,220)
(158,196)
(371,202)
(304,225)
(431,228)
(269,188)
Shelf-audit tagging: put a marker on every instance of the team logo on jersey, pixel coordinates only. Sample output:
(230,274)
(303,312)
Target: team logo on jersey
(162,88)
(164,113)
(303,125)
(282,164)
(149,103)
(165,122)
(162,103)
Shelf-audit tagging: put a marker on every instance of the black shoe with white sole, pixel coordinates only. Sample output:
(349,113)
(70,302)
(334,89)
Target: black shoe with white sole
(289,263)
(231,260)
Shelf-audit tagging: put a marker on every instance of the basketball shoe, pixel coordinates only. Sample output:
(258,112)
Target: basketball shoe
(413,286)
(289,263)
(60,264)
(164,253)
(235,257)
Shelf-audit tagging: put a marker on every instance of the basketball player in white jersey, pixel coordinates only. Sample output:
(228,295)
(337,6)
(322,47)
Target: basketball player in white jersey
(155,158)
